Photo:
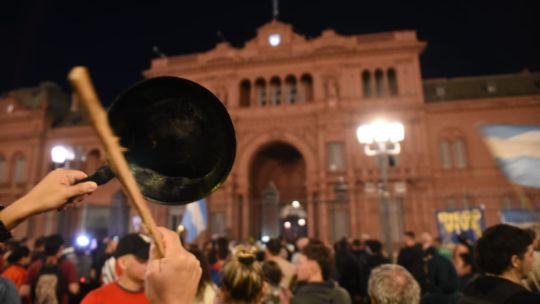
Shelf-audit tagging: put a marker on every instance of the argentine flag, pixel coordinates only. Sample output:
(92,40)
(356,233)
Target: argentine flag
(517,152)
(195,219)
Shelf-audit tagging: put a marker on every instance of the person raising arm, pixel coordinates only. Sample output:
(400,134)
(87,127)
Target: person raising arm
(174,278)
(52,192)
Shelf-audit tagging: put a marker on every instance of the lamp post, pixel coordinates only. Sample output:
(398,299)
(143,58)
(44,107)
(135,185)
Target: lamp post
(381,139)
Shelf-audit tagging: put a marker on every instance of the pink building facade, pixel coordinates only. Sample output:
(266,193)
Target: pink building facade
(296,104)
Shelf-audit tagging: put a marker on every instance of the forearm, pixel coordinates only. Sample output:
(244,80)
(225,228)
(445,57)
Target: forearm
(15,213)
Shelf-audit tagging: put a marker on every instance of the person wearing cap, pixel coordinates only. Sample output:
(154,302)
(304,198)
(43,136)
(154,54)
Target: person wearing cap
(131,255)
(60,190)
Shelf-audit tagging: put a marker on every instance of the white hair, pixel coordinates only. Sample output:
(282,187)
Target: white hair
(393,284)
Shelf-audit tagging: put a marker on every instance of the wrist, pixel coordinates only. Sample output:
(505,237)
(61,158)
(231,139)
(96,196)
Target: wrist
(15,213)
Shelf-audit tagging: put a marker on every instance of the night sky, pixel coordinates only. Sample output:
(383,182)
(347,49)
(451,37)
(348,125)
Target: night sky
(42,39)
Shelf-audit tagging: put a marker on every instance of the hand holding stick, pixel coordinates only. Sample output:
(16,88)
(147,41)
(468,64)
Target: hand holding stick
(80,80)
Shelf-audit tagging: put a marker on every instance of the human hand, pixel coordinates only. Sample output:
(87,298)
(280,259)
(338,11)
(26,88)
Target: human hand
(58,188)
(52,192)
(175,277)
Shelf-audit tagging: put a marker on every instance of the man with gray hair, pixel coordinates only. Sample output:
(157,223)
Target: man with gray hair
(393,284)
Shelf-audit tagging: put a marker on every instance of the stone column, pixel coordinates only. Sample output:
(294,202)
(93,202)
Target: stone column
(322,217)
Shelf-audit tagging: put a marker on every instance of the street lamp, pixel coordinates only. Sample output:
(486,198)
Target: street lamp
(66,156)
(60,154)
(69,157)
(381,138)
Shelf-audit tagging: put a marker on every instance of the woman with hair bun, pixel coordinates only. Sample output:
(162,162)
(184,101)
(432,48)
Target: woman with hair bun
(242,281)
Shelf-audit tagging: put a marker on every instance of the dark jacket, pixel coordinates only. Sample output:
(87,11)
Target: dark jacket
(351,270)
(8,292)
(495,290)
(320,293)
(411,258)
(441,282)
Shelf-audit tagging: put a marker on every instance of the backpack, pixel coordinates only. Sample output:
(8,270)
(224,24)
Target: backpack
(48,286)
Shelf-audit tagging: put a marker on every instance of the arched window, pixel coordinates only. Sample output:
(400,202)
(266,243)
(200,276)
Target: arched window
(19,167)
(445,154)
(245,93)
(306,82)
(3,169)
(260,88)
(392,82)
(290,89)
(379,82)
(275,90)
(460,160)
(366,83)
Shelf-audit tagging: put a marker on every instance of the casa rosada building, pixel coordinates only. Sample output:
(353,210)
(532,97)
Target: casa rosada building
(296,103)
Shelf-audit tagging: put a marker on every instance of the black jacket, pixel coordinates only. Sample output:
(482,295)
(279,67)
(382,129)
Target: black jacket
(411,258)
(495,290)
(320,293)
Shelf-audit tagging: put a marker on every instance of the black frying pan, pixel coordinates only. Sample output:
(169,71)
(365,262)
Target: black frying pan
(180,140)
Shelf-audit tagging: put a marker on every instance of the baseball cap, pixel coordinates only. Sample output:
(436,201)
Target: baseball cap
(135,244)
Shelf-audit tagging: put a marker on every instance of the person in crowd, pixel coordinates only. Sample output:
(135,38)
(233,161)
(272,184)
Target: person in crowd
(38,252)
(463,246)
(392,284)
(532,282)
(466,269)
(411,257)
(374,258)
(286,251)
(218,256)
(8,292)
(275,293)
(18,260)
(358,249)
(300,244)
(131,256)
(349,269)
(314,270)
(243,280)
(441,285)
(426,240)
(505,255)
(98,264)
(162,272)
(206,290)
(441,248)
(53,279)
(273,250)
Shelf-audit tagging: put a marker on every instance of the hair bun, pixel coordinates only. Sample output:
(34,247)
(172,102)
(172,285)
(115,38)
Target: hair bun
(245,257)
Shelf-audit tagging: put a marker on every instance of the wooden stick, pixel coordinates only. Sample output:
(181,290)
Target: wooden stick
(80,80)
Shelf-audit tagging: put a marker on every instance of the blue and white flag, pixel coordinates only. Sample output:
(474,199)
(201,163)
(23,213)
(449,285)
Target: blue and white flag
(195,219)
(517,152)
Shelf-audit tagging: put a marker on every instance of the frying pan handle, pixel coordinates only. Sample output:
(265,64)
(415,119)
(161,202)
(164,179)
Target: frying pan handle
(100,177)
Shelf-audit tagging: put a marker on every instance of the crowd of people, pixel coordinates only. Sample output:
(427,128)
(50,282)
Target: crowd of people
(499,268)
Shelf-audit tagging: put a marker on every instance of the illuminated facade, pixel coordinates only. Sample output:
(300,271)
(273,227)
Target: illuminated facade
(296,103)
